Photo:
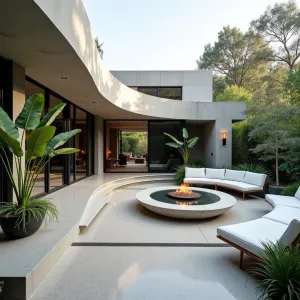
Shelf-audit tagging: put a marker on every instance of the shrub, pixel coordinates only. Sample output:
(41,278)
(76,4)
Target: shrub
(290,190)
(278,272)
(198,162)
(180,172)
(252,167)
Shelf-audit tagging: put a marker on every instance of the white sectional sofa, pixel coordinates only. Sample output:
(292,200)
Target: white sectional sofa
(245,182)
(282,224)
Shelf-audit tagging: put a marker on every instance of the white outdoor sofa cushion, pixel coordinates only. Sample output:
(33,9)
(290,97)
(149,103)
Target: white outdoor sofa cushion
(234,175)
(198,180)
(255,179)
(215,173)
(283,214)
(249,235)
(241,186)
(283,200)
(291,233)
(297,195)
(195,172)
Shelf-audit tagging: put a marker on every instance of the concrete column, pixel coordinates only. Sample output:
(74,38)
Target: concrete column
(99,145)
(12,99)
(223,153)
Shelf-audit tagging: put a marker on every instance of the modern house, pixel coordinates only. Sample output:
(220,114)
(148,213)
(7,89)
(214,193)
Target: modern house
(47,47)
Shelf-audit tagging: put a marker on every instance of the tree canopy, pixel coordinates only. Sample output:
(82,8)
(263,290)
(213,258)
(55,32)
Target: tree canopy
(235,55)
(234,93)
(280,26)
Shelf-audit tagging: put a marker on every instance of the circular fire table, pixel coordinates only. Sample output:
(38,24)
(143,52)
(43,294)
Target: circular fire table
(205,203)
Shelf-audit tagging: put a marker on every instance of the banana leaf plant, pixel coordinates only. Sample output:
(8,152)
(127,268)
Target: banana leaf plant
(184,147)
(41,145)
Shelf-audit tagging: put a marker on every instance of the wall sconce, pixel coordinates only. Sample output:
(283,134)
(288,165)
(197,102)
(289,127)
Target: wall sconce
(224,138)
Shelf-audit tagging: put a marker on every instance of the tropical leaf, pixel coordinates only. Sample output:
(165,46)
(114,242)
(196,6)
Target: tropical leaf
(185,133)
(7,124)
(50,116)
(37,141)
(192,142)
(9,142)
(60,140)
(30,116)
(173,145)
(63,151)
(173,138)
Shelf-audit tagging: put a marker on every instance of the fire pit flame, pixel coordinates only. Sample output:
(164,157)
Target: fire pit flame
(184,190)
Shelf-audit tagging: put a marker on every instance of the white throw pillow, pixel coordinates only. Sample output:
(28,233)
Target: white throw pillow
(297,195)
(291,233)
(194,172)
(215,173)
(234,175)
(255,178)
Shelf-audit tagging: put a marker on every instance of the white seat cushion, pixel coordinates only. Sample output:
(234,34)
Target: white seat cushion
(283,214)
(234,175)
(282,200)
(194,172)
(200,180)
(215,173)
(241,186)
(250,235)
(291,233)
(255,178)
(297,195)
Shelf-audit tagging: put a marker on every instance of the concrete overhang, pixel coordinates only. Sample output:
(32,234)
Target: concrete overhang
(53,40)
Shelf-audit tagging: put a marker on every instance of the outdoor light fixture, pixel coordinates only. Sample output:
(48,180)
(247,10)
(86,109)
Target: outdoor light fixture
(224,137)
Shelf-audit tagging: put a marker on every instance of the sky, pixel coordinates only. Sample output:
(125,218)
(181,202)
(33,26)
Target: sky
(164,34)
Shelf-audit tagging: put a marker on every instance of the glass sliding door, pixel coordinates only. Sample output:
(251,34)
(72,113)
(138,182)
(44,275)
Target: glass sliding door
(161,157)
(57,163)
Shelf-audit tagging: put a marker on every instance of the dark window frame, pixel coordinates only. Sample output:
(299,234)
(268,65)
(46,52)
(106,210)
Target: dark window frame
(157,90)
(90,124)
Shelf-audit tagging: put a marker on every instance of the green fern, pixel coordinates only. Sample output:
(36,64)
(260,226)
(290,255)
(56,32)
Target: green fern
(278,272)
(290,190)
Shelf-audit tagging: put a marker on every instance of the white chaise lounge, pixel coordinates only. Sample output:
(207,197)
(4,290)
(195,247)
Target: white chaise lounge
(282,224)
(245,182)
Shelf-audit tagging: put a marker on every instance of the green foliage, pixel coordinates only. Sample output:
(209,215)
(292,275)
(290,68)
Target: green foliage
(234,93)
(235,55)
(30,116)
(292,85)
(1,287)
(135,142)
(252,167)
(41,146)
(198,162)
(290,190)
(185,147)
(180,171)
(272,126)
(280,26)
(278,272)
(33,209)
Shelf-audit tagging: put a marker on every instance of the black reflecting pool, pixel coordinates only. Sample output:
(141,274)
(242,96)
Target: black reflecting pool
(206,198)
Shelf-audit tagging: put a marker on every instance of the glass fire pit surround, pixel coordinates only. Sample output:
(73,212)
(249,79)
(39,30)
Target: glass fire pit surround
(209,204)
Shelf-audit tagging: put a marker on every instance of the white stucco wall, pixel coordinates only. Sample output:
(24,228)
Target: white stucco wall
(196,85)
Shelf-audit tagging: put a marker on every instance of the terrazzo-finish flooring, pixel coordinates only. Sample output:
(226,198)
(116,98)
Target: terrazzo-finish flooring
(129,253)
(143,273)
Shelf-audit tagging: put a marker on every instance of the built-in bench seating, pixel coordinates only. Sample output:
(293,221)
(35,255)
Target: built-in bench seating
(243,181)
(282,224)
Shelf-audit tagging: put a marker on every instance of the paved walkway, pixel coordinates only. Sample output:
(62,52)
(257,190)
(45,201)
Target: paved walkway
(129,253)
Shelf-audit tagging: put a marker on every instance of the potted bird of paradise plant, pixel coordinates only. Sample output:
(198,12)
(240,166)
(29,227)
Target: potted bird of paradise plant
(25,214)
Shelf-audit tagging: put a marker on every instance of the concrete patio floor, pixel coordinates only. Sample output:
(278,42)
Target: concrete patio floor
(129,253)
(143,273)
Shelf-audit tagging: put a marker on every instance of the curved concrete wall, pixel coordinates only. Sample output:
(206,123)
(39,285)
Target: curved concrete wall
(70,18)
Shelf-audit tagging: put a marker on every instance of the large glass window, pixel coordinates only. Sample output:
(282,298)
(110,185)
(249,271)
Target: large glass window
(170,93)
(57,163)
(161,157)
(65,169)
(81,143)
(174,93)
